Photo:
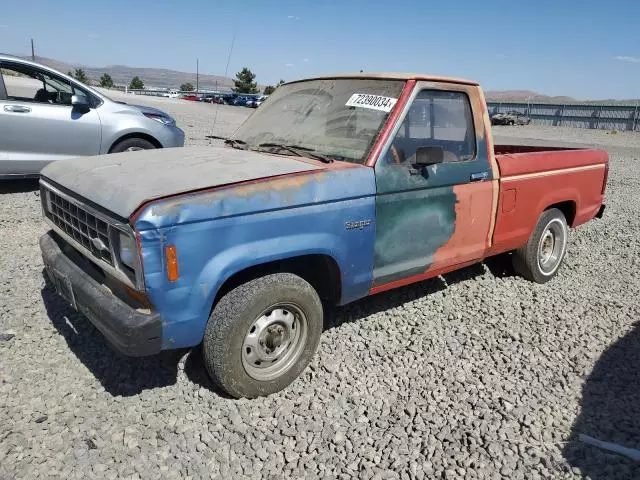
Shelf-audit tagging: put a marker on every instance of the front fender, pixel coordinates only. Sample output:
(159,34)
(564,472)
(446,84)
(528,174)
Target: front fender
(210,252)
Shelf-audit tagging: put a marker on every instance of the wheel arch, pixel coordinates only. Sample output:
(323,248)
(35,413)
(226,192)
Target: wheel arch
(127,136)
(568,209)
(320,270)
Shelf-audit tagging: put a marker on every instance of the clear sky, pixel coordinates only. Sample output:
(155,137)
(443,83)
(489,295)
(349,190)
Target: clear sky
(588,49)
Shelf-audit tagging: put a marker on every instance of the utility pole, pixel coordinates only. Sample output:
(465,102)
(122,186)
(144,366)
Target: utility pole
(197,75)
(33,52)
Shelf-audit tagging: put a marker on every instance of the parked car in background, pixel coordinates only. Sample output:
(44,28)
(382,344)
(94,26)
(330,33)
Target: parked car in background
(255,102)
(227,98)
(173,93)
(46,115)
(241,101)
(512,117)
(335,189)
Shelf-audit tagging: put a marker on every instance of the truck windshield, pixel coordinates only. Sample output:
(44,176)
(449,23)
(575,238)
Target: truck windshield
(336,118)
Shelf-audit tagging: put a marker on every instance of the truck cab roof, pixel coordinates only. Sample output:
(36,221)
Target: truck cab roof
(392,76)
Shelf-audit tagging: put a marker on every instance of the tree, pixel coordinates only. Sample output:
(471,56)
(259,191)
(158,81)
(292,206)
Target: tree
(245,82)
(136,83)
(79,75)
(186,87)
(269,89)
(106,81)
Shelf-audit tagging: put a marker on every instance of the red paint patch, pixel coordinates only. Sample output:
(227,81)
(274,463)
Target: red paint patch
(473,219)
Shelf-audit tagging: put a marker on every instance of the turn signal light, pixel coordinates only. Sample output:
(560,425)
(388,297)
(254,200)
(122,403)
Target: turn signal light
(172,263)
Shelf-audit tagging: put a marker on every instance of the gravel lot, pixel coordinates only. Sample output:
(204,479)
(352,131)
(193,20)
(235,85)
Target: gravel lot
(476,375)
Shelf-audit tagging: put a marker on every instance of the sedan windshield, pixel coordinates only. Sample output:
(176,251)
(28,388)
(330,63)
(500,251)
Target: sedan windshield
(336,118)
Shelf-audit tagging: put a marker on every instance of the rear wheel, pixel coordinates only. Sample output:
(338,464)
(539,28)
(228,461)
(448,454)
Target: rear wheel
(262,334)
(132,144)
(539,259)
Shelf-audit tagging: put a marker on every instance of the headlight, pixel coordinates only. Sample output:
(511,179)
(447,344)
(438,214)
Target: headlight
(163,119)
(128,250)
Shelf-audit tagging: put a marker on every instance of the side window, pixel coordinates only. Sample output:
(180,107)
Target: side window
(27,84)
(436,118)
(20,84)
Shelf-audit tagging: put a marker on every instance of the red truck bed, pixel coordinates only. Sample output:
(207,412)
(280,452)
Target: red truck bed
(535,176)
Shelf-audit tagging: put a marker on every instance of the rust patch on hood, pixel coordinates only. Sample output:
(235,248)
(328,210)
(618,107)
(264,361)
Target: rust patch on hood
(284,186)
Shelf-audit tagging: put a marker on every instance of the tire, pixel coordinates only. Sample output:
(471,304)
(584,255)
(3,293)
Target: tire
(540,258)
(262,334)
(130,144)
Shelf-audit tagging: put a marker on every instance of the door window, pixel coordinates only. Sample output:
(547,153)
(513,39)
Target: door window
(27,84)
(436,119)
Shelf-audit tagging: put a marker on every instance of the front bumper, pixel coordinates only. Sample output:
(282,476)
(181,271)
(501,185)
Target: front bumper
(170,136)
(130,332)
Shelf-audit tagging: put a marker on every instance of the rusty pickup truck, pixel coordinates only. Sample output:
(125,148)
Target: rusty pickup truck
(336,188)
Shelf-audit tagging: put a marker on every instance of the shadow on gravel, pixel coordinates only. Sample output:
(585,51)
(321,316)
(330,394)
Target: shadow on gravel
(610,411)
(397,297)
(500,266)
(196,372)
(120,375)
(18,186)
(127,376)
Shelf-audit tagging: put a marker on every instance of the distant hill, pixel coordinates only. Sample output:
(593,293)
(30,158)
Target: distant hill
(152,77)
(165,78)
(525,95)
(533,97)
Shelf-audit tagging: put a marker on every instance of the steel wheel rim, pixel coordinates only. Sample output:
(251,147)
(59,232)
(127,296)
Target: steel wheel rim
(551,246)
(274,341)
(133,149)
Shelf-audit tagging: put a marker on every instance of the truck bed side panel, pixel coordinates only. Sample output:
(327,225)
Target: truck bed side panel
(532,182)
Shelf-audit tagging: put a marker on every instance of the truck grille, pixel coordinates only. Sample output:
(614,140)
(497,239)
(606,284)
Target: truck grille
(85,228)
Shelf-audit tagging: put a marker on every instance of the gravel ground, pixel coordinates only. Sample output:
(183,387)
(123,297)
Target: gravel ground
(479,374)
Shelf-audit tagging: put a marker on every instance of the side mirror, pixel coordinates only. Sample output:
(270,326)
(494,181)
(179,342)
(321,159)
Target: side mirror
(426,156)
(79,102)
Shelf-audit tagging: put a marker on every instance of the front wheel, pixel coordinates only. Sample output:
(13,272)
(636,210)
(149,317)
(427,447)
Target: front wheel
(132,145)
(262,334)
(539,259)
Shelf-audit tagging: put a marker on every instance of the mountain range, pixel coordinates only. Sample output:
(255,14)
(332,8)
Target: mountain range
(165,78)
(152,77)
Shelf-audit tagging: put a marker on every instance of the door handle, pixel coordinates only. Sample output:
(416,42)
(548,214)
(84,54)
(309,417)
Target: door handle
(16,109)
(479,177)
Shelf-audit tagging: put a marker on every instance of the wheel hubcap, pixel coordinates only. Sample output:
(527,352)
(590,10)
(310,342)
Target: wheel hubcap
(546,249)
(551,246)
(133,149)
(274,342)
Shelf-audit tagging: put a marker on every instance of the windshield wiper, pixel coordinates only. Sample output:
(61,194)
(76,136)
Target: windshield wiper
(298,150)
(241,144)
(235,143)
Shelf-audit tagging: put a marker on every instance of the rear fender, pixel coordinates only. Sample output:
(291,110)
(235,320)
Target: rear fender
(568,194)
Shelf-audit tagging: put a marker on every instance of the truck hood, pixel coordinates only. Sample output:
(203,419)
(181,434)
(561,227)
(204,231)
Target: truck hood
(122,182)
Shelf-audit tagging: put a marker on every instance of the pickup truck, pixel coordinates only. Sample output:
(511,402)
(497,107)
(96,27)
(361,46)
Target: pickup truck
(336,188)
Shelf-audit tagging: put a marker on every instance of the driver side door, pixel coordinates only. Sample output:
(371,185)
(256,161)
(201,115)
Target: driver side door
(432,217)
(38,123)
